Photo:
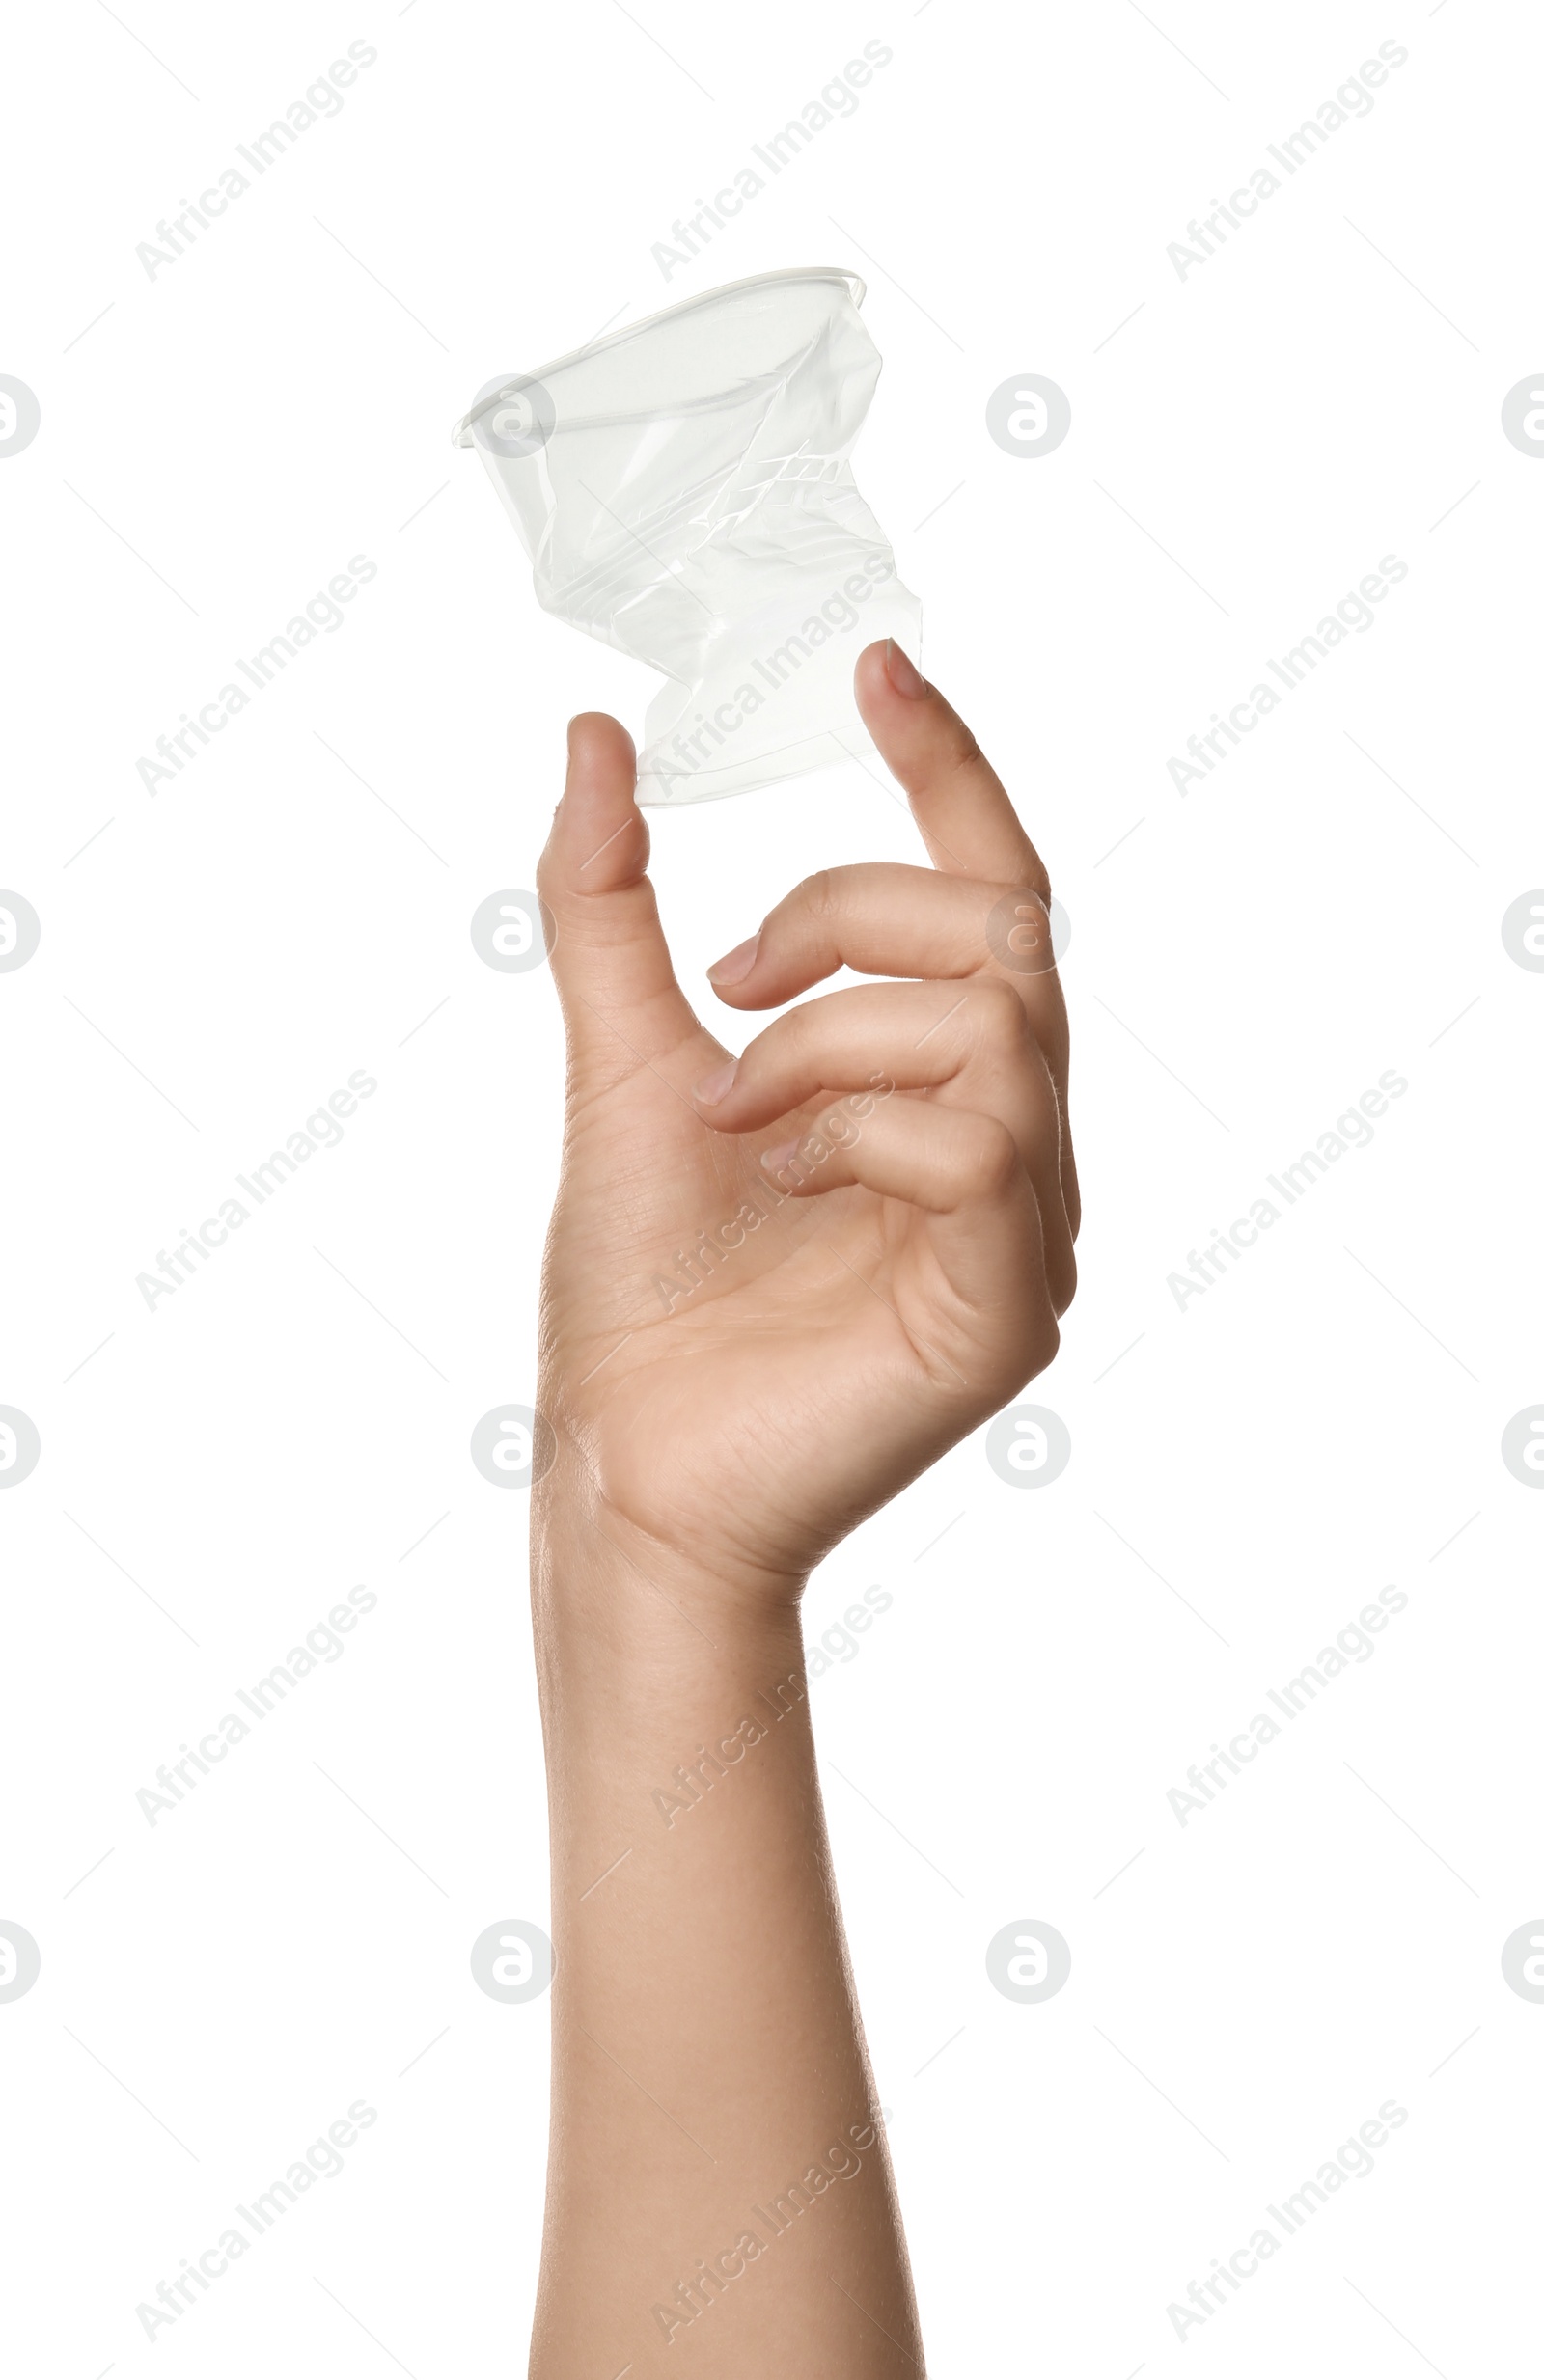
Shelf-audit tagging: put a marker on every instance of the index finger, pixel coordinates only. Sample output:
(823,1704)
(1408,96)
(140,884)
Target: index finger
(958,798)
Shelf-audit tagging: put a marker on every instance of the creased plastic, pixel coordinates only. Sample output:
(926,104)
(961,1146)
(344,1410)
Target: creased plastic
(684,492)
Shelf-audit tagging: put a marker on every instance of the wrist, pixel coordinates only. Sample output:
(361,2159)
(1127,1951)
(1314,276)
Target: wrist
(629,1589)
(656,1682)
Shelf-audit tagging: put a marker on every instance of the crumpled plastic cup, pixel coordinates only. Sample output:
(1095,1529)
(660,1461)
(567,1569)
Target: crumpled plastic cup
(683,488)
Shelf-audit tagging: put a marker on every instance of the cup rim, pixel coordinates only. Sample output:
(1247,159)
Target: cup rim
(857,288)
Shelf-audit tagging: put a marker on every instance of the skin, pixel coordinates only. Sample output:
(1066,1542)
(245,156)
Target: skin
(717,1427)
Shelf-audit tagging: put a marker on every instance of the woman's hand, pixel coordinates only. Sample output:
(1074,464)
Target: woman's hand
(774,1291)
(778,1288)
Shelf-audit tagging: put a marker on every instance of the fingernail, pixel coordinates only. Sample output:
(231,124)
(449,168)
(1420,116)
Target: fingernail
(736,963)
(715,1087)
(902,671)
(773,1159)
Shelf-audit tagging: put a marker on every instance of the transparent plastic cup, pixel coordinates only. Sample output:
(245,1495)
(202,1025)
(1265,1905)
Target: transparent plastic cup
(683,488)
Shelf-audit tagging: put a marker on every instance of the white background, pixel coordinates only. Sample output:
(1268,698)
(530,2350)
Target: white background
(1248,1471)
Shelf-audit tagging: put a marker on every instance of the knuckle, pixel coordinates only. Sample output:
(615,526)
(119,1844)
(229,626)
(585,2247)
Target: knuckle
(964,751)
(1037,877)
(988,1157)
(1040,1342)
(1003,1020)
(817,895)
(1063,1286)
(1030,1350)
(797,1038)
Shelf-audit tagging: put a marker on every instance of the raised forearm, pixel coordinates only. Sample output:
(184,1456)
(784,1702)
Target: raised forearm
(719,2197)
(733,1382)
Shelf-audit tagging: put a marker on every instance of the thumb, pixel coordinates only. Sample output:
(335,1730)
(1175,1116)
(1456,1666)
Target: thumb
(608,958)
